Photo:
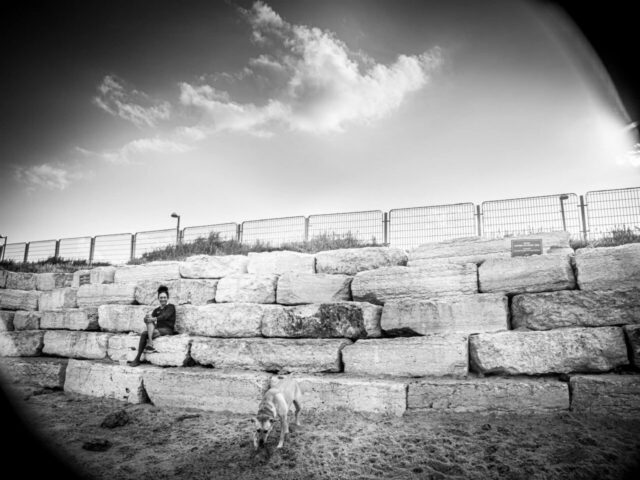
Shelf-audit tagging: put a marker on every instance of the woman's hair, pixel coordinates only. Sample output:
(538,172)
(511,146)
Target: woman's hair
(163,289)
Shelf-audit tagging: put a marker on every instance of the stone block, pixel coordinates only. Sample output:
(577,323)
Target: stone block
(247,288)
(59,298)
(3,278)
(6,320)
(183,291)
(371,316)
(225,319)
(236,391)
(70,319)
(537,273)
(101,275)
(562,350)
(100,379)
(40,371)
(81,277)
(431,355)
(207,266)
(464,314)
(123,318)
(27,320)
(608,268)
(74,344)
(272,354)
(95,295)
(52,281)
(632,332)
(172,350)
(606,394)
(300,288)
(21,344)
(19,299)
(349,261)
(406,283)
(277,263)
(576,308)
(21,281)
(147,271)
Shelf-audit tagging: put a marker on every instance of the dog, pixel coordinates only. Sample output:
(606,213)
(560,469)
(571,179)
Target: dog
(276,403)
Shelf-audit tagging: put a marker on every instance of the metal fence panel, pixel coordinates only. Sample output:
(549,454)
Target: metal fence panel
(613,210)
(41,250)
(520,216)
(115,248)
(153,240)
(274,231)
(365,226)
(78,248)
(227,231)
(410,227)
(15,251)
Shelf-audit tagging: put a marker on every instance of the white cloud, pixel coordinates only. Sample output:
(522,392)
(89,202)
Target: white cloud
(46,176)
(143,146)
(130,104)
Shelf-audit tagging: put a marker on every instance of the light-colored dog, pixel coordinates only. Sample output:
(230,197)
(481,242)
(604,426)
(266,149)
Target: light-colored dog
(276,403)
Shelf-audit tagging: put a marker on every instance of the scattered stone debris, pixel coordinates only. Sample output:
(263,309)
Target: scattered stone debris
(97,445)
(116,419)
(187,416)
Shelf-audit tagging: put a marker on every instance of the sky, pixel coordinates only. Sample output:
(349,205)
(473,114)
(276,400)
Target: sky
(117,114)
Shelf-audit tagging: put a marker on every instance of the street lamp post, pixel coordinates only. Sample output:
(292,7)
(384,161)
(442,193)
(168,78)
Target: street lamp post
(564,222)
(175,215)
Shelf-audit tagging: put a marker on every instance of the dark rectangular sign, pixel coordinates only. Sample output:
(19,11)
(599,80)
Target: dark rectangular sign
(524,248)
(84,279)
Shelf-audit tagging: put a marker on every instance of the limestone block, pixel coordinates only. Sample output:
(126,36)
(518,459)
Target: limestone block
(608,268)
(81,277)
(40,371)
(147,271)
(6,320)
(95,295)
(477,250)
(3,278)
(272,354)
(323,393)
(277,263)
(21,344)
(606,394)
(27,320)
(123,318)
(464,314)
(192,291)
(632,332)
(21,281)
(100,275)
(553,351)
(371,316)
(300,288)
(99,379)
(225,319)
(434,354)
(59,298)
(321,320)
(491,394)
(19,299)
(247,288)
(172,350)
(207,266)
(576,308)
(74,344)
(52,281)
(349,261)
(405,283)
(537,273)
(70,319)
(236,391)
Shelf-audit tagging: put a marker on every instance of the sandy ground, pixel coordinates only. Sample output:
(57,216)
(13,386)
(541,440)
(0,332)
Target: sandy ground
(163,443)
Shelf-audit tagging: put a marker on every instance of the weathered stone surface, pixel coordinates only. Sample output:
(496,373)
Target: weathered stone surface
(207,266)
(349,261)
(237,391)
(554,351)
(300,288)
(27,320)
(99,379)
(632,332)
(51,281)
(323,393)
(73,344)
(21,344)
(322,320)
(3,278)
(70,319)
(608,268)
(277,263)
(59,298)
(100,275)
(272,354)
(464,314)
(477,250)
(21,281)
(172,350)
(606,394)
(123,318)
(434,354)
(537,273)
(247,287)
(19,299)
(81,277)
(147,271)
(575,308)
(96,295)
(371,315)
(6,320)
(192,291)
(406,283)
(41,371)
(225,319)
(491,394)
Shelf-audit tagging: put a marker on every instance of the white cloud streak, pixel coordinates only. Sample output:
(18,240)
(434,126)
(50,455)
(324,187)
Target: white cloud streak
(46,176)
(137,148)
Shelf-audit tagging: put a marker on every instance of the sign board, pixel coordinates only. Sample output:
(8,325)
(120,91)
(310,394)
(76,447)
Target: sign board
(524,248)
(84,279)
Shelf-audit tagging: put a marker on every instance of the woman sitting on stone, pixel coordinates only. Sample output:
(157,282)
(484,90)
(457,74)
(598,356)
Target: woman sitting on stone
(159,322)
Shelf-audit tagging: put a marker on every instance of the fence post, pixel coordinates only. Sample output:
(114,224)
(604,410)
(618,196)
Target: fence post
(385,228)
(4,248)
(479,220)
(26,253)
(134,237)
(306,229)
(92,248)
(57,250)
(584,218)
(239,232)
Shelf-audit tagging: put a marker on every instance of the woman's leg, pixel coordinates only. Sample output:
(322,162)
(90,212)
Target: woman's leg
(151,333)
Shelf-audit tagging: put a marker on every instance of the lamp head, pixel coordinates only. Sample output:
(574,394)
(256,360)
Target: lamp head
(564,197)
(175,215)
